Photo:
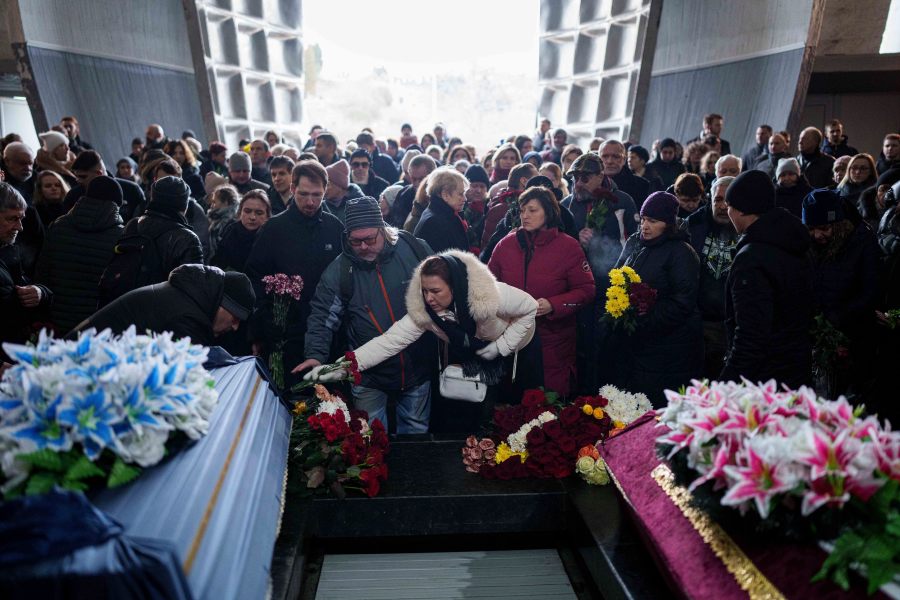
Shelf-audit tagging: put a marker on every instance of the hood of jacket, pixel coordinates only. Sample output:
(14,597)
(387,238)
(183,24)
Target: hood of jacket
(202,284)
(778,228)
(484,297)
(90,214)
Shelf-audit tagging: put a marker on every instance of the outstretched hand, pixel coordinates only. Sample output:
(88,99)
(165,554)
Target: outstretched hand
(306,364)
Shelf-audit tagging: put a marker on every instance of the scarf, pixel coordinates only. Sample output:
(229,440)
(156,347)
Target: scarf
(498,174)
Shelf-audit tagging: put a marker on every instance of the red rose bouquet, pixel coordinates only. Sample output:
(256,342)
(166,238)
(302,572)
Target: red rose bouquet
(538,438)
(335,449)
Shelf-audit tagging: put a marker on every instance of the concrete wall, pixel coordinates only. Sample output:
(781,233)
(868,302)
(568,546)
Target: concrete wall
(117,65)
(741,60)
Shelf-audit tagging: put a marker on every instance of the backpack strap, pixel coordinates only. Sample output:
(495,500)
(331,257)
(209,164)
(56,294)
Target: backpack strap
(415,244)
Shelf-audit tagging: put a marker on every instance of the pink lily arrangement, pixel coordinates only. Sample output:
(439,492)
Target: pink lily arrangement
(764,447)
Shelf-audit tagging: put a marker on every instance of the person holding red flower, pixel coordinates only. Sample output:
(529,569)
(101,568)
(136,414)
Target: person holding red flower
(545,262)
(482,322)
(666,349)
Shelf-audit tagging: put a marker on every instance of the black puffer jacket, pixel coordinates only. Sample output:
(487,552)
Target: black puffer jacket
(845,279)
(186,305)
(666,350)
(442,228)
(176,243)
(767,303)
(77,249)
(133,200)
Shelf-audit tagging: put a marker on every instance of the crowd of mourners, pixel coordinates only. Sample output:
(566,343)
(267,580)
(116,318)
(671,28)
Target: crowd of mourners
(419,251)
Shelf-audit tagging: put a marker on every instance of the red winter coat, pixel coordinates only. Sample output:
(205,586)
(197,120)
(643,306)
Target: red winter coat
(497,209)
(558,272)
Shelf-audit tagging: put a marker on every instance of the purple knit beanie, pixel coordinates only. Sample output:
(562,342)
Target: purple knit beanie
(661,206)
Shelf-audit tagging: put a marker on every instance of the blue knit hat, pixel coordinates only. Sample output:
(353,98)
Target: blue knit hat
(661,206)
(533,154)
(822,207)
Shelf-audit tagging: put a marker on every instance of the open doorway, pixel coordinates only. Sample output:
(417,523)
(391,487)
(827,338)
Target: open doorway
(471,65)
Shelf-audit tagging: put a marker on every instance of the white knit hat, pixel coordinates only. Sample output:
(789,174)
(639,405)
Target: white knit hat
(53,140)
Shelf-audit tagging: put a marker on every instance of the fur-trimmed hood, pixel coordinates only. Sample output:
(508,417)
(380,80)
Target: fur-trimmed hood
(501,312)
(484,297)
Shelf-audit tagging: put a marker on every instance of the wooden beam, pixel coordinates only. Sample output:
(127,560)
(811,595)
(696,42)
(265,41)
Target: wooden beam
(816,18)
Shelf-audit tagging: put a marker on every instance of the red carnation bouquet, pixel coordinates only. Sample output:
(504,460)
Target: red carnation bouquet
(347,364)
(335,449)
(539,437)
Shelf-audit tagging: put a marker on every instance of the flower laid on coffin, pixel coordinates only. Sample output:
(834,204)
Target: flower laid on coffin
(790,465)
(547,438)
(93,412)
(333,448)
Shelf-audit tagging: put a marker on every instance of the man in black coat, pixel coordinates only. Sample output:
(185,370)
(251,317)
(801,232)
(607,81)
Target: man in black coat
(846,267)
(18,169)
(816,166)
(21,302)
(713,238)
(835,144)
(89,165)
(757,150)
(712,126)
(381,165)
(613,155)
(78,247)
(197,301)
(666,165)
(303,240)
(420,167)
(890,154)
(363,175)
(768,293)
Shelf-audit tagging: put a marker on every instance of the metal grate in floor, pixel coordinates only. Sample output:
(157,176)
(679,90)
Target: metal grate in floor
(519,574)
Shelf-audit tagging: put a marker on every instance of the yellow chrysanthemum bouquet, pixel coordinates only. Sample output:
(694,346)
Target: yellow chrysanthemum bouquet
(627,298)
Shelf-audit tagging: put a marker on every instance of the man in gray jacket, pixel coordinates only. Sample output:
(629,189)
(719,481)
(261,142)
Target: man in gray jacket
(363,291)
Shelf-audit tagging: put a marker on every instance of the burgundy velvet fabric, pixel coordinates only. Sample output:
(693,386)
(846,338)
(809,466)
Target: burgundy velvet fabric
(692,565)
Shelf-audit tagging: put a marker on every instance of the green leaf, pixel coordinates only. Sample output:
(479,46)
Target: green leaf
(121,473)
(879,573)
(893,525)
(353,471)
(45,459)
(41,483)
(82,469)
(77,486)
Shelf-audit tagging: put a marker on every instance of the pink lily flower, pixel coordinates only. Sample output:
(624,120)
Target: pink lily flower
(758,481)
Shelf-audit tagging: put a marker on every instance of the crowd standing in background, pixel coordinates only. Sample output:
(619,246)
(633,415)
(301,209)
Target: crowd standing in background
(419,249)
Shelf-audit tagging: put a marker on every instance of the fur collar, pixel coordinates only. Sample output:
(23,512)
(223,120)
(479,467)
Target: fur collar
(484,297)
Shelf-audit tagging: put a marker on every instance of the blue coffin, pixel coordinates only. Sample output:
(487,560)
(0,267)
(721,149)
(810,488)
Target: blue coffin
(218,502)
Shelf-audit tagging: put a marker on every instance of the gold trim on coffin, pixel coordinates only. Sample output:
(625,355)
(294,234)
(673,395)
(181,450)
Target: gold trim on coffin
(214,499)
(745,573)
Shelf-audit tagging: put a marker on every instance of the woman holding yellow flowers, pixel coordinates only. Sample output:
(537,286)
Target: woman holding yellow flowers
(665,350)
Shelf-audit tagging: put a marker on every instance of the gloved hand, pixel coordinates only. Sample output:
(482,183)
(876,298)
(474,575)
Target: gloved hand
(489,352)
(315,374)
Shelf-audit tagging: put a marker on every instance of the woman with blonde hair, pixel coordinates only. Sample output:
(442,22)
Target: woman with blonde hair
(441,224)
(505,158)
(50,190)
(708,167)
(860,176)
(551,171)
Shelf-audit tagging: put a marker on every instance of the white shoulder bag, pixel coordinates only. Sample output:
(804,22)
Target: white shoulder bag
(456,386)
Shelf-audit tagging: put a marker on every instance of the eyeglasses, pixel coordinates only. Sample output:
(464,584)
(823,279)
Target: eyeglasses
(582,177)
(369,241)
(359,165)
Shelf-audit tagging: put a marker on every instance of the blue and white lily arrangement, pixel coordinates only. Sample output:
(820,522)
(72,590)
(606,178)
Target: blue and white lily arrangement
(79,414)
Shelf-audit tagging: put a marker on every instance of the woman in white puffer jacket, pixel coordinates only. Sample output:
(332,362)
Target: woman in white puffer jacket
(496,322)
